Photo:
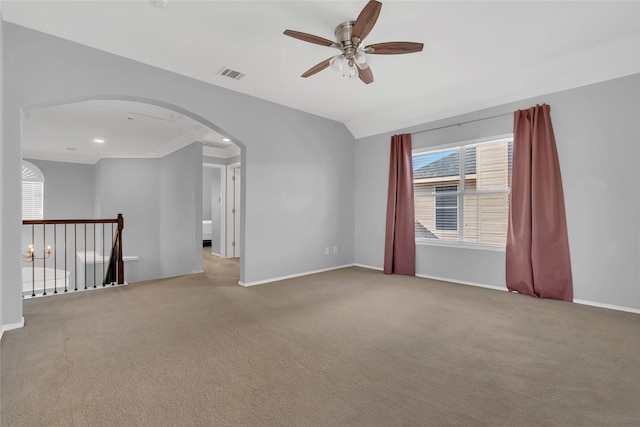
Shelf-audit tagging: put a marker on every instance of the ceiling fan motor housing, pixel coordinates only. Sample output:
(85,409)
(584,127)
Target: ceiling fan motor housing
(347,43)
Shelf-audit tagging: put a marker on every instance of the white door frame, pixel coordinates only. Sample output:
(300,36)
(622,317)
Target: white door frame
(222,206)
(227,225)
(230,250)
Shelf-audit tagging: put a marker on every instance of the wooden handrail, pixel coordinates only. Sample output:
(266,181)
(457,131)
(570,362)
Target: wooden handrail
(69,221)
(120,258)
(115,273)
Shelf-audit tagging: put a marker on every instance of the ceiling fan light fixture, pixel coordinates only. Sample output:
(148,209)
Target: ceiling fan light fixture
(350,35)
(337,62)
(352,71)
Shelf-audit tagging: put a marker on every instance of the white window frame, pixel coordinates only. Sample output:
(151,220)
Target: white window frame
(33,177)
(456,194)
(460,243)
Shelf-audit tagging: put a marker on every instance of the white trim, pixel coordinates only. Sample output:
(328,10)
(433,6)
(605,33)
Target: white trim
(212,165)
(12,326)
(225,153)
(230,217)
(291,276)
(462,245)
(608,306)
(177,144)
(441,279)
(216,254)
(461,190)
(496,288)
(222,203)
(370,267)
(60,157)
(496,138)
(462,282)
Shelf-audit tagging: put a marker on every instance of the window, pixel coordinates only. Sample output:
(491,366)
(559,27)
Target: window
(446,207)
(32,192)
(462,193)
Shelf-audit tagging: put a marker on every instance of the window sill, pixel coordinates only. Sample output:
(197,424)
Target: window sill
(461,245)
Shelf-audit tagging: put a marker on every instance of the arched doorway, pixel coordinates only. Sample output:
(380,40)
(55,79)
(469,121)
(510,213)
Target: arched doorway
(156,183)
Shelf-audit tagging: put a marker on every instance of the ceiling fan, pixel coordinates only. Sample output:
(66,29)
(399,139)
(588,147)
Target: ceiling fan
(349,39)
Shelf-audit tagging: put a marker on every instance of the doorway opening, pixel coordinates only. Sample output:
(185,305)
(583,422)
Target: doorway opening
(222,206)
(145,146)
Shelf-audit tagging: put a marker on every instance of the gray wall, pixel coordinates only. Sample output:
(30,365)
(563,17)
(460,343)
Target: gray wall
(297,168)
(216,211)
(212,177)
(207,178)
(212,196)
(180,193)
(69,189)
(157,198)
(597,133)
(2,223)
(132,187)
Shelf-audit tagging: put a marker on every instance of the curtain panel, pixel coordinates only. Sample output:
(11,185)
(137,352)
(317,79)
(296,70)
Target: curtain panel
(537,250)
(400,240)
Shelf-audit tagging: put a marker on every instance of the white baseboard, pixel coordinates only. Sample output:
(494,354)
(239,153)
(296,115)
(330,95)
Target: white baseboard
(216,254)
(445,279)
(462,282)
(291,276)
(11,326)
(370,267)
(609,306)
(497,288)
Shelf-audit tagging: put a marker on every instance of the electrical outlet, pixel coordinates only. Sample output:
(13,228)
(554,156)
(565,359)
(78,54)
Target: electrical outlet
(326,251)
(335,249)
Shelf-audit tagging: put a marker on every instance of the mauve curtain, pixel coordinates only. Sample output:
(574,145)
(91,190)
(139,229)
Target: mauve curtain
(400,241)
(537,251)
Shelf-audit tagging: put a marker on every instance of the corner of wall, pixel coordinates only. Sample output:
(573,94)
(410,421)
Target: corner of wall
(1,177)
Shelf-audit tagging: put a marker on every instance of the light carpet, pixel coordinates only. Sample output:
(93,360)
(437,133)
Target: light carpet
(350,347)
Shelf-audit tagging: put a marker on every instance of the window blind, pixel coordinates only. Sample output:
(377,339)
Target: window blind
(462,193)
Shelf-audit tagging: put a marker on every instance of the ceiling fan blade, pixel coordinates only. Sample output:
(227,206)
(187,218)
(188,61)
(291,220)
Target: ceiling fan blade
(366,20)
(318,67)
(393,48)
(365,75)
(309,38)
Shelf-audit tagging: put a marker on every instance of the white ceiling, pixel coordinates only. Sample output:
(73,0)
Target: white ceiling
(477,54)
(127,129)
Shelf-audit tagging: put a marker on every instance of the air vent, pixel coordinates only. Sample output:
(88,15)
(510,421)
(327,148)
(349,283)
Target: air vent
(232,74)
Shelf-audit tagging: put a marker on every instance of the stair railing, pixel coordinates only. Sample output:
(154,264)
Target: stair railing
(59,240)
(115,272)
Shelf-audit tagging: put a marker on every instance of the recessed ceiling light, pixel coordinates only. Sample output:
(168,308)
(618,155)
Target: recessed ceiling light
(226,139)
(98,140)
(159,3)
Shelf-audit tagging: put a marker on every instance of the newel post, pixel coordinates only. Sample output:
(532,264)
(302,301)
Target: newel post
(120,259)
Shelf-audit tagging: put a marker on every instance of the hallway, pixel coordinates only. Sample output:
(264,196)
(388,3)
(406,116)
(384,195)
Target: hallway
(221,271)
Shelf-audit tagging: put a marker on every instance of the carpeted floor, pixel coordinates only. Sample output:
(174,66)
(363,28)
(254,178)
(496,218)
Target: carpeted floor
(351,347)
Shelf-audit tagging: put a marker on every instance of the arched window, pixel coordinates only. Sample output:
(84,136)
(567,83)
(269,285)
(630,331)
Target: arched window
(32,191)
